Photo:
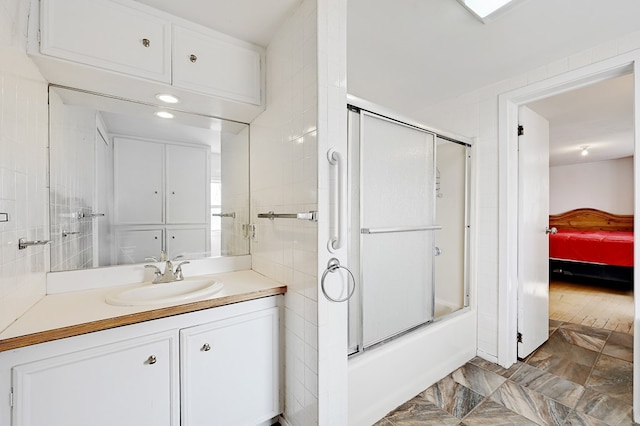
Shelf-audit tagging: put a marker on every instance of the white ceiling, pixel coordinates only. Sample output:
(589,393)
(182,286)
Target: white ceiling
(410,54)
(599,116)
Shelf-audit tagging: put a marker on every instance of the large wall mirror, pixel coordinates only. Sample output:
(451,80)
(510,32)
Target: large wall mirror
(127,184)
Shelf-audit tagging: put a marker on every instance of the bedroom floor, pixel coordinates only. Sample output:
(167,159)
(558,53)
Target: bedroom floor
(581,376)
(592,305)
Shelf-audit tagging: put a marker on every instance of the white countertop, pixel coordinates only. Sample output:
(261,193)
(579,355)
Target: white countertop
(62,315)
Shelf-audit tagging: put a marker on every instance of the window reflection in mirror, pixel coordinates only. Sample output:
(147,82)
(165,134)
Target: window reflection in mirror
(126,185)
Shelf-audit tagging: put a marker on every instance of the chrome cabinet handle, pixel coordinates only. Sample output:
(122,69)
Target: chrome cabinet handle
(152,359)
(553,230)
(193,58)
(206,347)
(23,243)
(146,42)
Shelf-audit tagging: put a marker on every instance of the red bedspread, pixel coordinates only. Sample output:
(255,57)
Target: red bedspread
(608,247)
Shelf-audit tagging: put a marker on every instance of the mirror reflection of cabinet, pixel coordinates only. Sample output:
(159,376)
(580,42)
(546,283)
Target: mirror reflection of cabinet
(160,184)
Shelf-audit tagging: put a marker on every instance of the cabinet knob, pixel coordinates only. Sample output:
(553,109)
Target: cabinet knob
(193,58)
(146,42)
(152,359)
(206,347)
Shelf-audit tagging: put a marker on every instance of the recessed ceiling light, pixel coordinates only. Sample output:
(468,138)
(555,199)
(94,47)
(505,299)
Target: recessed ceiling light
(167,98)
(483,9)
(164,114)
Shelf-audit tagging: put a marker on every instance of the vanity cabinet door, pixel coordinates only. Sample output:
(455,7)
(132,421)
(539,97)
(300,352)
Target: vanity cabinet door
(126,383)
(108,35)
(187,185)
(139,182)
(216,64)
(229,370)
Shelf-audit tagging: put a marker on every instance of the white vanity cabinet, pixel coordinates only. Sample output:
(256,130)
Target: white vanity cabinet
(213,63)
(217,366)
(226,380)
(130,382)
(108,35)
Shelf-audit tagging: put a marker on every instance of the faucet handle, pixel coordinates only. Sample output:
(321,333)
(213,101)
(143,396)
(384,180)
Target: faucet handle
(157,273)
(178,273)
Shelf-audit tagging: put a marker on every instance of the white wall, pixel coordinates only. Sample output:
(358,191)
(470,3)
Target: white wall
(23,167)
(604,185)
(284,179)
(475,114)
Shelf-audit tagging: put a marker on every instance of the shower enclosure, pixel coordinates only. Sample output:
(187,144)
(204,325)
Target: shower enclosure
(408,227)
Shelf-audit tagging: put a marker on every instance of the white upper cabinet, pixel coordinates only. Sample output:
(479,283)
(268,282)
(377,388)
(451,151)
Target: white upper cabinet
(187,184)
(216,64)
(107,35)
(99,44)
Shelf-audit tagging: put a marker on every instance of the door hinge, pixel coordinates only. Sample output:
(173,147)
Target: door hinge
(519,337)
(520,130)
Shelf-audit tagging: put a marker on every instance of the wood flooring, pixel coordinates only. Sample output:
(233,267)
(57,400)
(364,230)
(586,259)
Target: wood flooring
(592,305)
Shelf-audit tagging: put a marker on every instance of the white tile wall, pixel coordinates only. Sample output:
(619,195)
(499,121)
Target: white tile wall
(23,167)
(284,180)
(72,184)
(476,115)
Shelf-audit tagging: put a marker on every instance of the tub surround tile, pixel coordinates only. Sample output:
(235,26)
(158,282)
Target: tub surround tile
(490,413)
(564,391)
(531,404)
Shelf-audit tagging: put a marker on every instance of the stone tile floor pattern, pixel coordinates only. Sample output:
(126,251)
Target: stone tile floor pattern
(580,376)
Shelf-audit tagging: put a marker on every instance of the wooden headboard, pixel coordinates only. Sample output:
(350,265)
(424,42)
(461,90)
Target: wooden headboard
(591,219)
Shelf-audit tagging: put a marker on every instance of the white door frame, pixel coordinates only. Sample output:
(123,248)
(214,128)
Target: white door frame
(508,104)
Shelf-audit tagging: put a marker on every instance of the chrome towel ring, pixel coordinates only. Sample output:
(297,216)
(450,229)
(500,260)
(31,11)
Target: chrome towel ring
(332,266)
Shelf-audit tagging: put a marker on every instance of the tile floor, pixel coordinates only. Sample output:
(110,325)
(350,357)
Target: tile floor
(581,376)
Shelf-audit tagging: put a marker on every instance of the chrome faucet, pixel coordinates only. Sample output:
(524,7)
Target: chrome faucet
(169,275)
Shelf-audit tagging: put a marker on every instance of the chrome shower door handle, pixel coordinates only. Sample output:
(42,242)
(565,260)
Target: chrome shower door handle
(336,241)
(553,231)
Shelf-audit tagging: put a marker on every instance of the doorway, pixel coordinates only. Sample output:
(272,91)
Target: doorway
(508,275)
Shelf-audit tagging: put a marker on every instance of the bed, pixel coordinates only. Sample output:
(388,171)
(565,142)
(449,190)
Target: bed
(592,244)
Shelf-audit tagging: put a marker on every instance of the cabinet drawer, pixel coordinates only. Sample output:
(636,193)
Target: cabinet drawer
(108,35)
(219,66)
(130,382)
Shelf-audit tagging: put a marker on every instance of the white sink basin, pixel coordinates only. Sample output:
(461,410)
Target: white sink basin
(177,291)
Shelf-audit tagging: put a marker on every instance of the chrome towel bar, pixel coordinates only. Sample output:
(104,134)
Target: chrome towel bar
(23,243)
(312,216)
(400,229)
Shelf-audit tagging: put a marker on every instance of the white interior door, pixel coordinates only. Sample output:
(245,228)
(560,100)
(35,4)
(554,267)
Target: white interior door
(533,243)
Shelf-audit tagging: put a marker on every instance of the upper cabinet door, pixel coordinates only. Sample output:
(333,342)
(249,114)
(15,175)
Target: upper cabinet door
(187,185)
(107,35)
(139,182)
(216,64)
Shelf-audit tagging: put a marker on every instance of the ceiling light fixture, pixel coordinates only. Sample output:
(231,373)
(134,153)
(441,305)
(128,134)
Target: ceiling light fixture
(585,151)
(167,98)
(164,114)
(486,10)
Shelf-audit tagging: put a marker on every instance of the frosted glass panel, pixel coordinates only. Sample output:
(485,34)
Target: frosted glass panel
(397,187)
(397,174)
(397,277)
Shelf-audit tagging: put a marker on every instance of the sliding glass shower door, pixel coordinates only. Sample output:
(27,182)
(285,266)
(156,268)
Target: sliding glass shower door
(397,213)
